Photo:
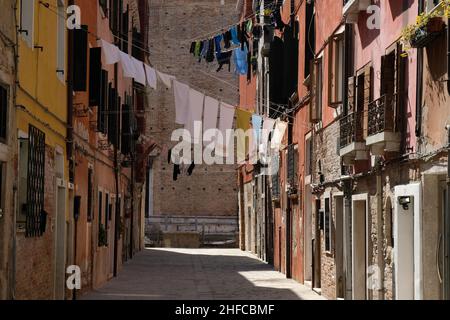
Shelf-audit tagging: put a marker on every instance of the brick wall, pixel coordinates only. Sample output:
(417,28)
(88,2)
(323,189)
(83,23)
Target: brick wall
(211,190)
(35,256)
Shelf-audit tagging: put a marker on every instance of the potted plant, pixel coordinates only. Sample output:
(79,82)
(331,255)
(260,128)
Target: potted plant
(427,27)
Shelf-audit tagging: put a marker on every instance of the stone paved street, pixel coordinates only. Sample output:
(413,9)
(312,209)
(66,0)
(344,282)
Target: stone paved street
(199,274)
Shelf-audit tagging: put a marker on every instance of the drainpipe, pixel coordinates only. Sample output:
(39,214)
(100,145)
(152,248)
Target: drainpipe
(446,277)
(419,84)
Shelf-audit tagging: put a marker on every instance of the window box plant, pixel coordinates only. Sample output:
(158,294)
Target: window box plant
(428,26)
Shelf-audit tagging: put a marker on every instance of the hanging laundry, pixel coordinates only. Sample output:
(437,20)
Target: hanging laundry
(243,124)
(227,39)
(225,123)
(278,134)
(169,156)
(234,36)
(181,93)
(195,114)
(111,53)
(151,76)
(211,51)
(191,168)
(240,61)
(205,48)
(139,71)
(127,65)
(224,58)
(218,43)
(210,114)
(166,79)
(267,131)
(257,32)
(249,26)
(176,172)
(257,121)
(192,49)
(198,48)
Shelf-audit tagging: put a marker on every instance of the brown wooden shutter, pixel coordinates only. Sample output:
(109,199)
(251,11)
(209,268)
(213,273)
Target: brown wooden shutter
(368,97)
(80,48)
(351,105)
(312,77)
(388,74)
(331,72)
(95,70)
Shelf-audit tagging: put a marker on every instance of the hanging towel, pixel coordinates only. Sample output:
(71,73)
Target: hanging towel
(278,134)
(225,123)
(151,76)
(243,124)
(256,125)
(139,71)
(210,114)
(127,65)
(264,141)
(267,130)
(234,36)
(111,53)
(240,61)
(195,114)
(166,79)
(181,93)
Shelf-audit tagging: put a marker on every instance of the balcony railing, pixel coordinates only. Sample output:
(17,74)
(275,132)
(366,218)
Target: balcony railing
(382,115)
(351,129)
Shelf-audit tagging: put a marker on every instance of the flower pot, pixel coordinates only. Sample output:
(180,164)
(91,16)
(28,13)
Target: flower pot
(436,24)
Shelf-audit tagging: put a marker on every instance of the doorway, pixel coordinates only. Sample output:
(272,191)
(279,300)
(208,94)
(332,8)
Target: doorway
(308,235)
(359,247)
(339,245)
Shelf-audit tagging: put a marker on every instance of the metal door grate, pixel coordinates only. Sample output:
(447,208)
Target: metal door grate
(35,225)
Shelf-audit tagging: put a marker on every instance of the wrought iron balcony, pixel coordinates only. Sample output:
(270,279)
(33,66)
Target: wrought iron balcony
(383,130)
(351,129)
(352,145)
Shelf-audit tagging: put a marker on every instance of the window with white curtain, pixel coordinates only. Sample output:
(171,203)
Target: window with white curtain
(27,21)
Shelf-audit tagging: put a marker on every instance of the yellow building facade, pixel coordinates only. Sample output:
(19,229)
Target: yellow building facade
(43,224)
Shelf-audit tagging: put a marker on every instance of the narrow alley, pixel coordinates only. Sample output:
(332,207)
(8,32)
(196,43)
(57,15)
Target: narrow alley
(200,274)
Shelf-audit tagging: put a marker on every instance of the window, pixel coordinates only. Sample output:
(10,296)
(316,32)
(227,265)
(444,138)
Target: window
(3,113)
(90,213)
(31,182)
(431,4)
(292,160)
(308,156)
(107,214)
(27,21)
(61,41)
(100,209)
(104,6)
(316,90)
(327,224)
(335,70)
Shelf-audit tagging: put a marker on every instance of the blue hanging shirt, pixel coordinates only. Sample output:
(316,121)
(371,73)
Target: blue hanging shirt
(240,60)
